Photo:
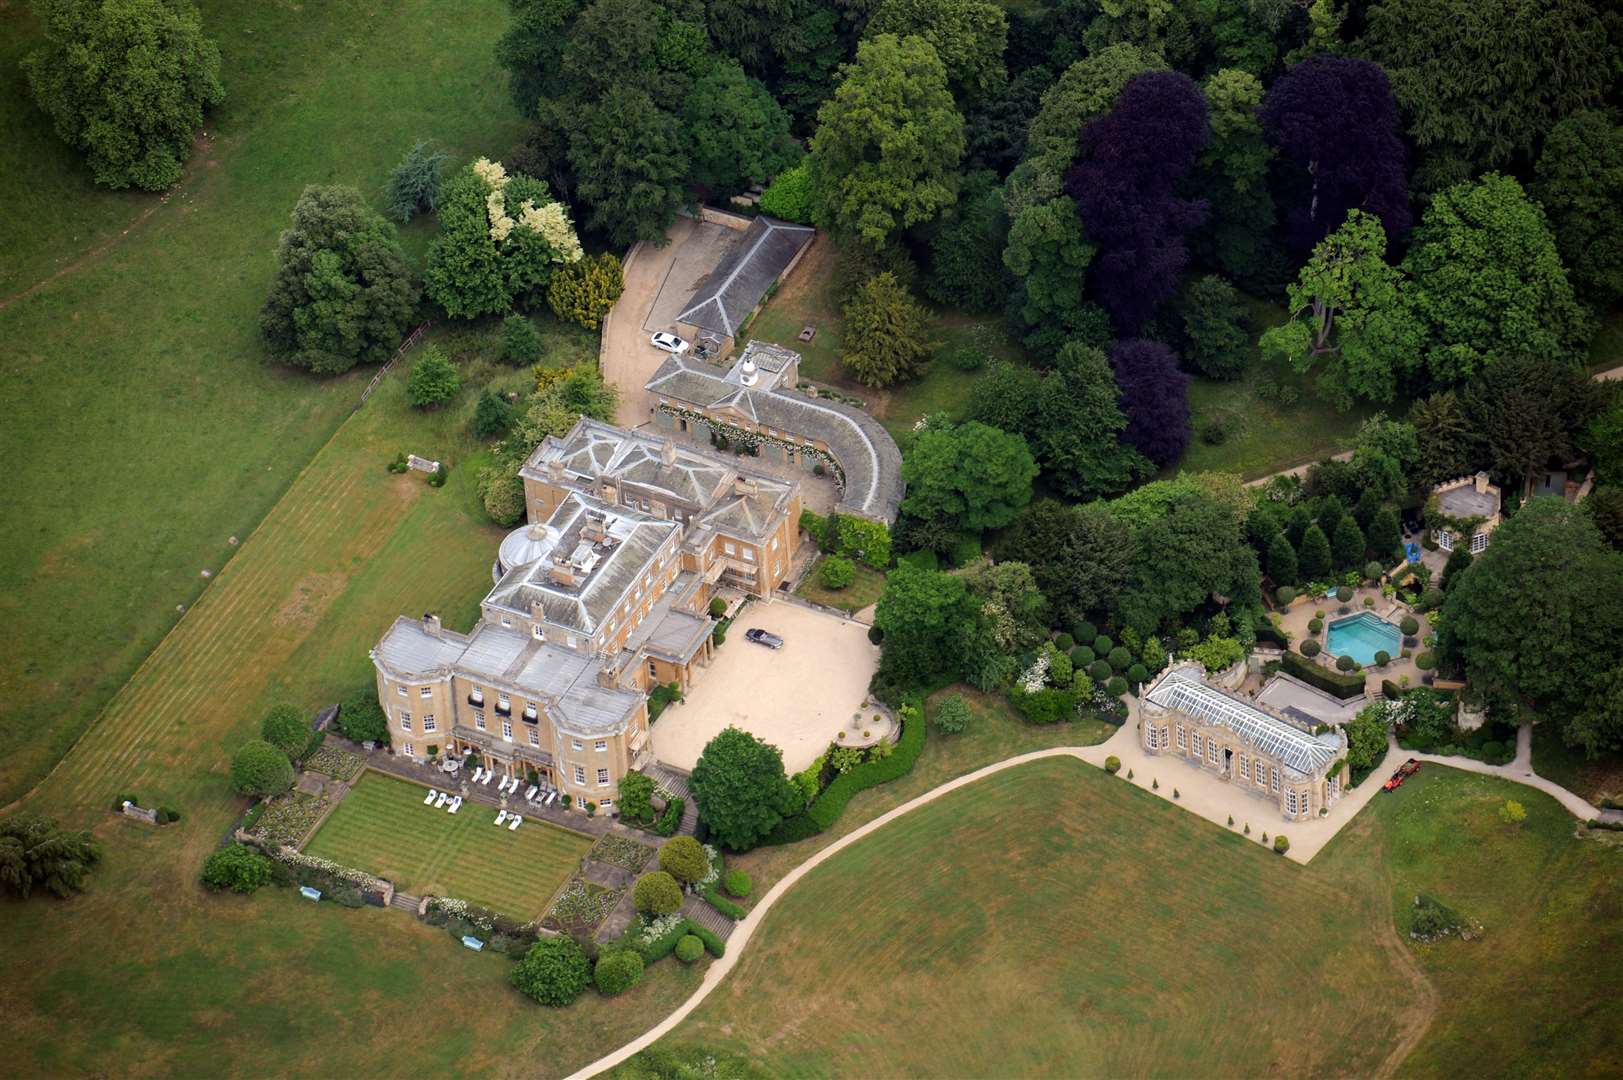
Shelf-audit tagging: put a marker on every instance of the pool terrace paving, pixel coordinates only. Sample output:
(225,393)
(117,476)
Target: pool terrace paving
(1294,621)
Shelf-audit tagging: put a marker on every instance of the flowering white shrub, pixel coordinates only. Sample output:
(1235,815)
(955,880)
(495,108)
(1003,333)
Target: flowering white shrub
(349,874)
(553,223)
(491,172)
(714,872)
(654,929)
(500,223)
(1035,677)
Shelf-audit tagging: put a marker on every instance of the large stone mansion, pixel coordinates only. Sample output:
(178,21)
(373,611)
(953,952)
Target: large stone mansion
(602,596)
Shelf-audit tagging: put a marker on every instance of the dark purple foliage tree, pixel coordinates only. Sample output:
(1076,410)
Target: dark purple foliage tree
(1335,123)
(1155,398)
(1130,163)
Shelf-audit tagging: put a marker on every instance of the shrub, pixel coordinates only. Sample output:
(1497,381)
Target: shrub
(1082,656)
(671,819)
(684,859)
(433,380)
(1338,685)
(1409,625)
(689,948)
(1345,663)
(1284,595)
(1344,594)
(583,292)
(737,883)
(952,715)
(832,802)
(1138,674)
(284,728)
(876,635)
(168,814)
(1315,626)
(239,868)
(1310,648)
(361,718)
(1102,645)
(1382,658)
(836,572)
(554,972)
(1281,845)
(617,972)
(1117,686)
(1431,599)
(636,797)
(1120,658)
(657,893)
(1084,632)
(1064,642)
(258,768)
(1099,671)
(521,341)
(718,607)
(1425,661)
(1373,570)
(1112,764)
(789,195)
(965,357)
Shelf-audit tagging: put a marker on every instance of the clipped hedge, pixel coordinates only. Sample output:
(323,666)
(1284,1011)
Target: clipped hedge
(1270,634)
(664,946)
(715,899)
(1337,685)
(826,809)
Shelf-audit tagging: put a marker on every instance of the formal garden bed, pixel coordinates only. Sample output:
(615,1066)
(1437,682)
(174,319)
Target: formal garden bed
(580,907)
(287,819)
(333,762)
(623,852)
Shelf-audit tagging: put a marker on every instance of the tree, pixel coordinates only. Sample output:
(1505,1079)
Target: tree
(464,270)
(926,617)
(972,476)
(966,252)
(1132,161)
(285,728)
(1459,561)
(886,334)
(1604,505)
(1079,555)
(1048,257)
(789,195)
(34,851)
(1580,186)
(237,867)
(1527,411)
(1385,538)
(1384,458)
(1191,552)
(554,972)
(1214,327)
(343,294)
(736,132)
(887,147)
(1012,608)
(1488,283)
(684,859)
(532,48)
(1154,397)
(1545,61)
(657,893)
(521,341)
(741,791)
(258,768)
(617,971)
(1348,545)
(1233,173)
(1598,726)
(636,797)
(1539,605)
(361,718)
(1512,813)
(1346,308)
(1367,737)
(968,35)
(1334,121)
(952,715)
(434,380)
(629,164)
(1314,557)
(126,83)
(1448,442)
(584,292)
(1282,565)
(414,184)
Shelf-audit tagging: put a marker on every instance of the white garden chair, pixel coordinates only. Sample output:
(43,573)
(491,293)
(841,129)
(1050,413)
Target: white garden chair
(478,773)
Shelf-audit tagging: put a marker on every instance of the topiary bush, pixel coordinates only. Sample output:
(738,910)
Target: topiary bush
(1310,648)
(1120,658)
(737,883)
(1284,595)
(1064,642)
(1138,674)
(554,972)
(1281,845)
(1099,671)
(238,867)
(1382,658)
(617,972)
(1315,626)
(1431,599)
(1082,656)
(1373,570)
(1345,663)
(718,607)
(684,859)
(657,894)
(876,635)
(1084,632)
(836,572)
(1344,594)
(1112,764)
(258,768)
(1117,686)
(1425,661)
(1410,626)
(689,948)
(1102,645)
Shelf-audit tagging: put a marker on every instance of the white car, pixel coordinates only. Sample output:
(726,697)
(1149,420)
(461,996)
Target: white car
(668,342)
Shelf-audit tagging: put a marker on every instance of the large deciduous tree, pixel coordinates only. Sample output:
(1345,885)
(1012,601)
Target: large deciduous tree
(1536,609)
(1125,183)
(126,83)
(1215,340)
(1190,556)
(1527,411)
(971,476)
(886,152)
(886,333)
(736,132)
(258,768)
(532,48)
(1482,81)
(1335,123)
(1487,282)
(33,851)
(1154,398)
(1580,185)
(966,252)
(1048,257)
(740,788)
(968,35)
(630,165)
(343,294)
(1233,174)
(1079,555)
(928,619)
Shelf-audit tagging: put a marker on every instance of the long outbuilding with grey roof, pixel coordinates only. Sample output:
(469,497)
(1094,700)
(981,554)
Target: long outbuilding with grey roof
(759,255)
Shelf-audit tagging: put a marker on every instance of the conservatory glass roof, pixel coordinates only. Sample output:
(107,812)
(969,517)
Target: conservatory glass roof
(1182,692)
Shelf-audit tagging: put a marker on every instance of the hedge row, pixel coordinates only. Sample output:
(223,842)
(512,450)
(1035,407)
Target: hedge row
(1392,691)
(715,899)
(1273,635)
(826,809)
(1333,683)
(664,946)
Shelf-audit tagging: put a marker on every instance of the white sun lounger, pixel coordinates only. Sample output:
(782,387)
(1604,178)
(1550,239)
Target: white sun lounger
(456,804)
(501,785)
(518,819)
(444,797)
(551,797)
(529,796)
(501,818)
(489,776)
(429,797)
(478,773)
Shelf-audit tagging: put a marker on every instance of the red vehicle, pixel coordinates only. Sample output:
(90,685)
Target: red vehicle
(1406,770)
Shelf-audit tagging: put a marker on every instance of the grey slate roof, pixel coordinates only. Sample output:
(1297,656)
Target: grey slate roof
(864,449)
(410,649)
(1467,502)
(757,257)
(1180,690)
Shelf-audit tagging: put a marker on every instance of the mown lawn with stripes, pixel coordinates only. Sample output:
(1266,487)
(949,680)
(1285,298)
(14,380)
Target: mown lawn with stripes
(383,827)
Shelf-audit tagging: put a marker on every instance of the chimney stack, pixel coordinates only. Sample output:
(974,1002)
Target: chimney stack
(431,624)
(667,453)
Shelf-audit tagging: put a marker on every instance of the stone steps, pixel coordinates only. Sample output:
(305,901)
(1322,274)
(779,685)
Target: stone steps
(708,917)
(405,902)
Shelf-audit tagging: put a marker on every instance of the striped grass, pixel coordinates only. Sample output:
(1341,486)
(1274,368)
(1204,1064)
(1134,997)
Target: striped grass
(383,827)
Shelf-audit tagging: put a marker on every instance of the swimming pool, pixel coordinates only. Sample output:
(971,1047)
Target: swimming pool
(1361,636)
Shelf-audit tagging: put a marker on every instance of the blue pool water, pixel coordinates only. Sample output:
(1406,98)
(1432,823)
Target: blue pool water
(1361,636)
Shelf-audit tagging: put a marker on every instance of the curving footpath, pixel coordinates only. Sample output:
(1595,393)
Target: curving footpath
(1518,771)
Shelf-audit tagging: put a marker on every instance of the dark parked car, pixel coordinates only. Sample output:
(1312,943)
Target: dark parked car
(761,637)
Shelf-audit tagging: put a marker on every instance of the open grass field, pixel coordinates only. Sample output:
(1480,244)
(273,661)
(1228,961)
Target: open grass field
(143,425)
(383,827)
(1110,934)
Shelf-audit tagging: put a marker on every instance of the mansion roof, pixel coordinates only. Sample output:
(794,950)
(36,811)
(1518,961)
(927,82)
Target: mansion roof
(1182,691)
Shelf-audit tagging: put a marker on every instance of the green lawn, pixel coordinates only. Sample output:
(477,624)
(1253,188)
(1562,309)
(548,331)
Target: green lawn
(144,426)
(1051,920)
(864,589)
(383,827)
